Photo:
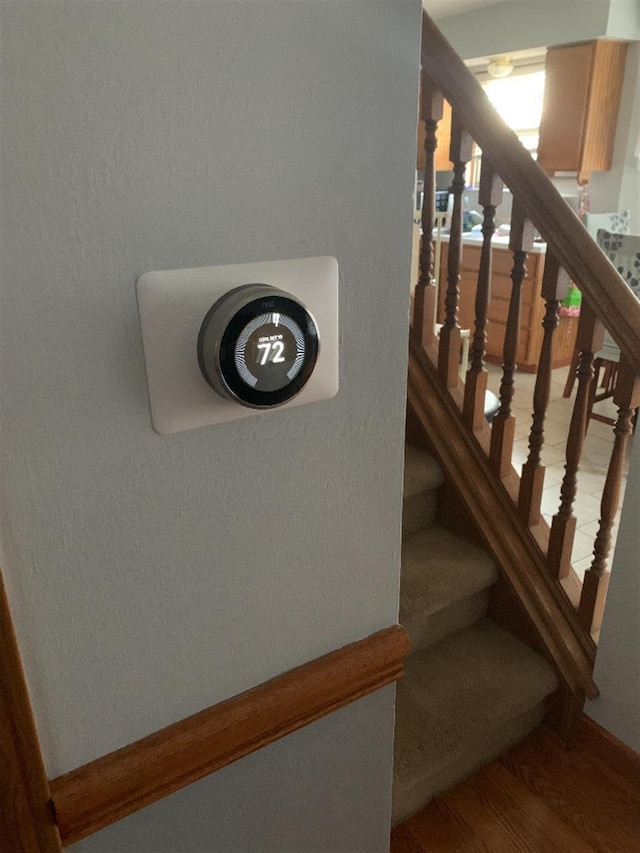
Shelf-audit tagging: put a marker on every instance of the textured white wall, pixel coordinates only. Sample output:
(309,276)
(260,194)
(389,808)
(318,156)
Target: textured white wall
(618,659)
(150,577)
(521,24)
(624,19)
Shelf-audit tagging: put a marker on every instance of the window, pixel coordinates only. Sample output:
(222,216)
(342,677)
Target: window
(518,100)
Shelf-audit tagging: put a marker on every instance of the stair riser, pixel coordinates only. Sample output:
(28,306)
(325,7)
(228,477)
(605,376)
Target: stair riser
(471,690)
(419,512)
(478,753)
(426,630)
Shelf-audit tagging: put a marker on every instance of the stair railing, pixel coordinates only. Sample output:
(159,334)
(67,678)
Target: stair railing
(571,254)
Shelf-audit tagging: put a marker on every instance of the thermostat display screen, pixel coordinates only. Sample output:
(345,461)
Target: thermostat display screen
(270,352)
(258,346)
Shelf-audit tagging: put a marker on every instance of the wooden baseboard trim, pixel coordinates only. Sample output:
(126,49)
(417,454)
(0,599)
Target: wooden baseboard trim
(611,749)
(116,785)
(26,817)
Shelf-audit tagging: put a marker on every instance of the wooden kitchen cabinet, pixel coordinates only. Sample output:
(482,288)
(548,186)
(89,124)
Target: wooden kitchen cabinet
(443,135)
(583,87)
(532,311)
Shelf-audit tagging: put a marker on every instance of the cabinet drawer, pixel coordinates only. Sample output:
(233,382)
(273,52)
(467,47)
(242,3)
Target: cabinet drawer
(470,259)
(499,312)
(501,289)
(495,343)
(532,306)
(502,263)
(501,260)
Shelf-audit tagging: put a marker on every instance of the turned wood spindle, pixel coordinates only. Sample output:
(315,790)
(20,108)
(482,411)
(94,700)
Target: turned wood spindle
(503,426)
(449,348)
(589,341)
(555,286)
(489,196)
(627,397)
(424,305)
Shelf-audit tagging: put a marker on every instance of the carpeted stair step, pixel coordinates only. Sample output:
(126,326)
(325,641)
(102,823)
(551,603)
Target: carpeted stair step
(422,478)
(444,585)
(461,703)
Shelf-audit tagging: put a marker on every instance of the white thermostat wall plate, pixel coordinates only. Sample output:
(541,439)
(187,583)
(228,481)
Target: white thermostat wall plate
(173,305)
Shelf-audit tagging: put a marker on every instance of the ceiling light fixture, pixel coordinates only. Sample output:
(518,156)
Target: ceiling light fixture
(500,66)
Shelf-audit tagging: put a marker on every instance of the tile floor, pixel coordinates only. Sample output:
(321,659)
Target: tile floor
(593,466)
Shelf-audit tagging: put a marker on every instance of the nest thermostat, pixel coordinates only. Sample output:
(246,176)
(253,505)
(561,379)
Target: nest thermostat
(258,345)
(223,343)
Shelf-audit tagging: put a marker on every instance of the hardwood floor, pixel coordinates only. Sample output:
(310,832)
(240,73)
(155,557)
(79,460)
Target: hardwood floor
(539,798)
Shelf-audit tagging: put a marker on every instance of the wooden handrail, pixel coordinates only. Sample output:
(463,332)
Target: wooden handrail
(612,301)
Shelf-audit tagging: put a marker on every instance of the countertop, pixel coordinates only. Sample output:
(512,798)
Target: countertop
(471,238)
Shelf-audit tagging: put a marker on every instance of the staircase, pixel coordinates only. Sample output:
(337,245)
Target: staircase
(471,690)
(467,681)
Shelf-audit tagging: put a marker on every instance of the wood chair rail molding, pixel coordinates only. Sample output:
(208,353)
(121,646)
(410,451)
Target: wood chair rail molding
(41,816)
(614,303)
(118,784)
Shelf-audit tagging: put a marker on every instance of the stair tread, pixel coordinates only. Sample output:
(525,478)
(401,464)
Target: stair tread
(458,692)
(440,568)
(421,472)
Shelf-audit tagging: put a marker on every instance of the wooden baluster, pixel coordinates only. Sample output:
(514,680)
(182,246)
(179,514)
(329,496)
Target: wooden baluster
(589,341)
(503,426)
(449,349)
(555,286)
(489,196)
(627,397)
(424,305)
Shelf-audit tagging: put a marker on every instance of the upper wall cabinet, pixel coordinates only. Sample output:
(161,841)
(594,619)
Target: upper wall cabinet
(582,94)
